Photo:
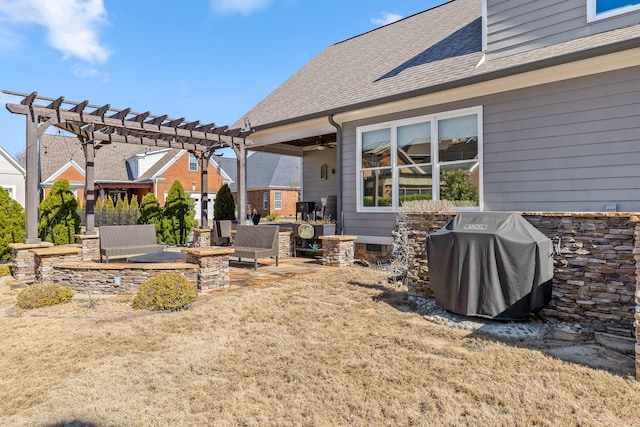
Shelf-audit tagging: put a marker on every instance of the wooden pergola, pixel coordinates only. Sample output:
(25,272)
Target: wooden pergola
(96,126)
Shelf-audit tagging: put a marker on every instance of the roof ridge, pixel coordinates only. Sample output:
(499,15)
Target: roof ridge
(391,23)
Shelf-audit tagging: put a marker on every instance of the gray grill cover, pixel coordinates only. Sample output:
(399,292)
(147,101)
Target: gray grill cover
(490,264)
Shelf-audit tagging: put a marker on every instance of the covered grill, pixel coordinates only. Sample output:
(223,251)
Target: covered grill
(490,264)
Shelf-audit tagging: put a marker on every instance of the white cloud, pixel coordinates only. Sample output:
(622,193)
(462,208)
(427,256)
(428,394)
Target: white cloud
(387,18)
(71,25)
(245,7)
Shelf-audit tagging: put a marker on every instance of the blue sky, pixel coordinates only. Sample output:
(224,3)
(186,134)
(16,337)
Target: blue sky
(207,60)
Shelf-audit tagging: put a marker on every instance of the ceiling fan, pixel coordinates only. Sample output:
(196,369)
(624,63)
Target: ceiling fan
(321,144)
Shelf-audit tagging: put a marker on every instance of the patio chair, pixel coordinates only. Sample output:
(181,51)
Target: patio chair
(221,233)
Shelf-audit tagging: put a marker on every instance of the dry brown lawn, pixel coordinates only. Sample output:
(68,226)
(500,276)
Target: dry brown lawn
(322,349)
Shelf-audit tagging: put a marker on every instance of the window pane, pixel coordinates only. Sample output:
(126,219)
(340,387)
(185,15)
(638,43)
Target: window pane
(376,148)
(265,201)
(414,144)
(415,183)
(605,5)
(459,183)
(193,162)
(377,187)
(277,202)
(458,139)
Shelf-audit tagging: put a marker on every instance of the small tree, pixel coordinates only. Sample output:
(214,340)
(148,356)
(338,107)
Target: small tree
(179,215)
(133,205)
(456,187)
(120,201)
(59,219)
(12,224)
(151,213)
(224,206)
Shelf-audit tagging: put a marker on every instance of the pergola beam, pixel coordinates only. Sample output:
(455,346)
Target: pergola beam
(106,125)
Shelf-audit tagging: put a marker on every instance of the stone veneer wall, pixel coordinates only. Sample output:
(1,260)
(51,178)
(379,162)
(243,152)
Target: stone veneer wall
(23,264)
(285,244)
(596,270)
(90,246)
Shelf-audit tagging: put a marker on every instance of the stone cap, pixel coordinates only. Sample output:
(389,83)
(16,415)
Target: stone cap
(338,238)
(86,236)
(57,250)
(202,230)
(209,251)
(19,246)
(125,266)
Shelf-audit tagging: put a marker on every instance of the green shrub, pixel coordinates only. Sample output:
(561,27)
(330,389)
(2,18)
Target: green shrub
(167,291)
(272,217)
(178,216)
(12,224)
(5,270)
(224,207)
(59,219)
(44,295)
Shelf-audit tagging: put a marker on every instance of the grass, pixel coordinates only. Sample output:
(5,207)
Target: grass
(322,349)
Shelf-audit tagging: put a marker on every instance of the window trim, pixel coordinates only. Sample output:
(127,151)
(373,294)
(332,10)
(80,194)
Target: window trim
(191,157)
(265,201)
(593,16)
(393,125)
(275,200)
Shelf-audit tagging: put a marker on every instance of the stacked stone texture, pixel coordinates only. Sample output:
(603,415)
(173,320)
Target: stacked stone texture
(201,237)
(23,265)
(337,252)
(45,265)
(285,244)
(102,281)
(90,246)
(595,272)
(213,271)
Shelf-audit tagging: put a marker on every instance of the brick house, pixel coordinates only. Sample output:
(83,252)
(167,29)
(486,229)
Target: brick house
(125,169)
(273,182)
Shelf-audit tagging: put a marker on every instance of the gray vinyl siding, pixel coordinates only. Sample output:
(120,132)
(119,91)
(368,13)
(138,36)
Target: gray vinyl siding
(567,146)
(314,187)
(515,26)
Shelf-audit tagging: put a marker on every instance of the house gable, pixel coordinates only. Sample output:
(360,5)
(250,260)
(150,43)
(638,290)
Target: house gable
(12,176)
(71,171)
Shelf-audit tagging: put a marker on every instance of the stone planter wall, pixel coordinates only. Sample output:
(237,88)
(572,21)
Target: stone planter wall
(285,244)
(90,246)
(23,265)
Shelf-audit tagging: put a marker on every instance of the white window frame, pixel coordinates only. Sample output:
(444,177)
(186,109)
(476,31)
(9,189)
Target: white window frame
(11,189)
(593,16)
(277,204)
(393,125)
(265,201)
(193,160)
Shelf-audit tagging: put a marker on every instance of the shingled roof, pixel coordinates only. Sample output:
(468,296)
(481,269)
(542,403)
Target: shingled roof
(265,170)
(434,50)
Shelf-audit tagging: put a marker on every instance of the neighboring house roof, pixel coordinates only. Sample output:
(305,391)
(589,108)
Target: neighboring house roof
(437,49)
(12,161)
(56,151)
(265,170)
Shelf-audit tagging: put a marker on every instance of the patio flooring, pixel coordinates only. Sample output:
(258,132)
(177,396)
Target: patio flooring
(242,274)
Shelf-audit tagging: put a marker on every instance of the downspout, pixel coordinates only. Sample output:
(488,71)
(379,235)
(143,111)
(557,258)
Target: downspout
(339,213)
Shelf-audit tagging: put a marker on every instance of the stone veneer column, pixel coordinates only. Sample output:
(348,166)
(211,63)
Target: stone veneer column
(213,263)
(285,245)
(47,258)
(337,251)
(90,246)
(23,266)
(201,237)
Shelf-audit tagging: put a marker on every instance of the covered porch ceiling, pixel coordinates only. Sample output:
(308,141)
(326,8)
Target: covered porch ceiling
(297,147)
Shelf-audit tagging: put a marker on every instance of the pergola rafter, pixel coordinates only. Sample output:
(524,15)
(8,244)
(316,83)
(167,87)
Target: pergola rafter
(105,125)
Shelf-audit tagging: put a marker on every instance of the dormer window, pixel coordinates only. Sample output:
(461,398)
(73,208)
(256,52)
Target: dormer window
(600,9)
(193,162)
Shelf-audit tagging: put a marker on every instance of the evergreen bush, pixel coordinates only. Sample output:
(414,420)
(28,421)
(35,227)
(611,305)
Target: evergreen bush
(151,213)
(5,270)
(179,216)
(44,295)
(224,207)
(12,224)
(167,291)
(59,219)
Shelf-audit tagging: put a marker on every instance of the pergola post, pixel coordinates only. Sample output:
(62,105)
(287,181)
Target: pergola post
(204,189)
(89,186)
(241,155)
(32,184)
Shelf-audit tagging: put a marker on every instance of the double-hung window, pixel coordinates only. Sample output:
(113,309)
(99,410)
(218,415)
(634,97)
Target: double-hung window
(193,162)
(265,201)
(427,157)
(600,9)
(277,200)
